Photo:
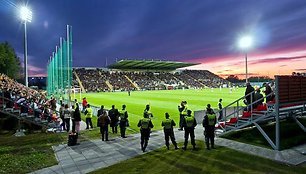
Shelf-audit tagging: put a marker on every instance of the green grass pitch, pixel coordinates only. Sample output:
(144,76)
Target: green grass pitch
(162,101)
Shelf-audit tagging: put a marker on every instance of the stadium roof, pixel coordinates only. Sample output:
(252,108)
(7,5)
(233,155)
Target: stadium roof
(149,65)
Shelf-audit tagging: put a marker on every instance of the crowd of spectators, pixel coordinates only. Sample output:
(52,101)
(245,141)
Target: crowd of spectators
(96,80)
(92,80)
(206,78)
(28,102)
(119,81)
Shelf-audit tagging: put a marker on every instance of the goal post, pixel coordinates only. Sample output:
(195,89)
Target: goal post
(76,93)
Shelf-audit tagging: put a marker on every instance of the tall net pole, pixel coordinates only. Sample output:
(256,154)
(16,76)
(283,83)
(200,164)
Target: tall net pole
(60,67)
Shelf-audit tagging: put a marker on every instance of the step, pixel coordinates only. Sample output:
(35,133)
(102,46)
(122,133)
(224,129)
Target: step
(244,120)
(8,109)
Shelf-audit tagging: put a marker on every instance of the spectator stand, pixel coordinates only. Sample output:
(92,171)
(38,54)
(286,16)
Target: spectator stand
(24,104)
(128,75)
(289,101)
(24,113)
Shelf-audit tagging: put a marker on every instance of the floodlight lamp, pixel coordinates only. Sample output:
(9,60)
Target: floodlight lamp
(25,14)
(245,42)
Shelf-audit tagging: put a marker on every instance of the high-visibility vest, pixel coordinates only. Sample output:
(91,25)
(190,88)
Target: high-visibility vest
(189,121)
(89,113)
(149,113)
(167,123)
(184,112)
(145,123)
(211,119)
(122,115)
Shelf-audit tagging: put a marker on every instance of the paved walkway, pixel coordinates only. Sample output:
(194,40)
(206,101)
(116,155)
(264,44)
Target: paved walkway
(97,154)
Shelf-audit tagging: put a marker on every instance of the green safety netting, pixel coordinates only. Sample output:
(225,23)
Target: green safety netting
(59,68)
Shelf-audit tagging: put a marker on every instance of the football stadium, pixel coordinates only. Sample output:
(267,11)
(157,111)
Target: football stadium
(146,115)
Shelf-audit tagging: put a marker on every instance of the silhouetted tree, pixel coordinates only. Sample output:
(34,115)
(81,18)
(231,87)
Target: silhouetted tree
(233,79)
(9,62)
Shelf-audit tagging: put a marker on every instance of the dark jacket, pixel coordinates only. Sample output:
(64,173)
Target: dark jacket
(249,90)
(258,96)
(104,120)
(77,115)
(267,92)
(113,114)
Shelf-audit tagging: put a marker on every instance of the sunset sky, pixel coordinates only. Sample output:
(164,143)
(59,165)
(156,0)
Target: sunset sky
(199,31)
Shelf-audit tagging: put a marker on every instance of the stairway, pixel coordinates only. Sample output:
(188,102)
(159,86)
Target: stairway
(133,83)
(29,118)
(237,115)
(26,118)
(246,116)
(110,86)
(79,81)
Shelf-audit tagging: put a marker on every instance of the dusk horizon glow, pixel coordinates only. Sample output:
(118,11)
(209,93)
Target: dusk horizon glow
(203,32)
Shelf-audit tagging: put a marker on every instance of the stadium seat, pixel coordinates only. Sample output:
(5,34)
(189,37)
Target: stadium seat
(16,106)
(246,114)
(232,121)
(262,107)
(220,125)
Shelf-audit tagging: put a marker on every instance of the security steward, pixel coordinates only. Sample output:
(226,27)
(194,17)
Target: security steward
(147,111)
(88,113)
(145,125)
(189,123)
(209,122)
(168,125)
(123,116)
(183,112)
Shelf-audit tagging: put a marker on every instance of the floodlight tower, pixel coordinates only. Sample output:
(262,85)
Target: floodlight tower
(245,43)
(25,16)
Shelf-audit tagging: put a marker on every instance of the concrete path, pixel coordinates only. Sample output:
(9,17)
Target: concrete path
(97,154)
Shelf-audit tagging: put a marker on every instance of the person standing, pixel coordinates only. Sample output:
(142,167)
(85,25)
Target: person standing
(72,118)
(168,125)
(268,92)
(183,112)
(147,111)
(75,102)
(249,95)
(61,113)
(67,117)
(259,98)
(104,121)
(123,115)
(84,104)
(220,109)
(100,111)
(88,113)
(114,114)
(61,99)
(145,125)
(209,122)
(189,123)
(77,118)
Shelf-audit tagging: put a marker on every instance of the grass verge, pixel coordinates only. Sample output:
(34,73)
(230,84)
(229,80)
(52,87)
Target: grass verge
(220,160)
(28,153)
